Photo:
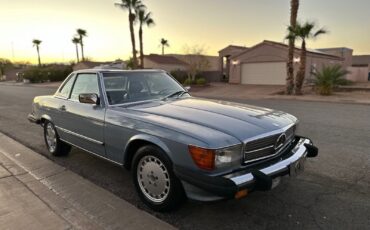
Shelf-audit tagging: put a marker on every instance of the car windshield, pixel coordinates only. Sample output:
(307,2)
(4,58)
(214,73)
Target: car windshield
(124,87)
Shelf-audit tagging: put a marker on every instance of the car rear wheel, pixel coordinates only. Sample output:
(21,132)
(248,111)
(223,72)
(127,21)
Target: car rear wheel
(55,146)
(157,185)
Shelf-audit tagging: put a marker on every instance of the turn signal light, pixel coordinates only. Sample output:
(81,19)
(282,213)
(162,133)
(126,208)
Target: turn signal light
(203,158)
(240,194)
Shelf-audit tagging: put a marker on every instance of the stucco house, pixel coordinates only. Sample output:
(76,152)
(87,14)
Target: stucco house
(360,69)
(225,58)
(265,63)
(167,63)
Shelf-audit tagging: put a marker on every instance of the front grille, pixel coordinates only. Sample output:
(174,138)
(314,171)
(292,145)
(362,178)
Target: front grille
(265,147)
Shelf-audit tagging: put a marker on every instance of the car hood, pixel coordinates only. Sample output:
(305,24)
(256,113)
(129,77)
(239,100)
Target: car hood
(238,120)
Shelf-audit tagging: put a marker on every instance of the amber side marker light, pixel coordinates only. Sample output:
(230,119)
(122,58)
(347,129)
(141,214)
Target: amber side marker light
(203,158)
(240,194)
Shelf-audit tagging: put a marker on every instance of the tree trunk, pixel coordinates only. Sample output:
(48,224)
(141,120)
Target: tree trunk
(162,49)
(141,46)
(302,70)
(38,54)
(82,49)
(78,58)
(294,6)
(132,32)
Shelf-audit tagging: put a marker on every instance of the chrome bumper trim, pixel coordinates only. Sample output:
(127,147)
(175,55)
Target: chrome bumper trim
(299,152)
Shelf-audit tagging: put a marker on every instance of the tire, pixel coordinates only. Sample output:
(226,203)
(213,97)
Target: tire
(154,180)
(53,143)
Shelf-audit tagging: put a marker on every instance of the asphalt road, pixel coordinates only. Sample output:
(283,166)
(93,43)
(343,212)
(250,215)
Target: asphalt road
(333,193)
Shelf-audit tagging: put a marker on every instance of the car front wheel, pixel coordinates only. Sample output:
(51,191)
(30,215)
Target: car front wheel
(55,146)
(155,181)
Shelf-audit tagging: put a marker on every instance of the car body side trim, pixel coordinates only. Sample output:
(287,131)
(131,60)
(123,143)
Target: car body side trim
(80,136)
(95,154)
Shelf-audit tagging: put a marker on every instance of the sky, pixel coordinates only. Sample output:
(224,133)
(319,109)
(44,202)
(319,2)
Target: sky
(213,24)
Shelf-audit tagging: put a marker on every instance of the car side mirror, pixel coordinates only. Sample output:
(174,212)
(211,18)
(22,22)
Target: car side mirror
(89,98)
(187,88)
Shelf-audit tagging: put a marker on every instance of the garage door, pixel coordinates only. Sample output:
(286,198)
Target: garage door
(266,73)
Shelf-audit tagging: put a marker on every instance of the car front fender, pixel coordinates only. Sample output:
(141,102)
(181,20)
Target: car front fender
(146,138)
(46,117)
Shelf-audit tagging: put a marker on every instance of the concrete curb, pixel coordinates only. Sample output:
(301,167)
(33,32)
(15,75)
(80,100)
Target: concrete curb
(340,101)
(37,85)
(76,200)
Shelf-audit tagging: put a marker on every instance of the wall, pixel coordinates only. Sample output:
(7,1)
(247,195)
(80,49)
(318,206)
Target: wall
(211,76)
(148,64)
(315,63)
(358,74)
(344,53)
(213,61)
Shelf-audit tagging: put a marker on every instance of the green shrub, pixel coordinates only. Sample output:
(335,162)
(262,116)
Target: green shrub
(329,78)
(47,73)
(201,81)
(34,75)
(188,81)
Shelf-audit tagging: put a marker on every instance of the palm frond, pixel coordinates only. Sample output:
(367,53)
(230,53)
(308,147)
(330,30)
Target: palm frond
(36,42)
(75,40)
(320,31)
(81,32)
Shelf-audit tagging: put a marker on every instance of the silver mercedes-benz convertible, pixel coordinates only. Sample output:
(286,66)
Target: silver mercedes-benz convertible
(176,146)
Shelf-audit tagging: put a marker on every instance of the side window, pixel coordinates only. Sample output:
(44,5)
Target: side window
(85,83)
(66,88)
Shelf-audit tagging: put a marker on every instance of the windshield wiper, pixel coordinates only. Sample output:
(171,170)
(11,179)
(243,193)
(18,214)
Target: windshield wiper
(179,93)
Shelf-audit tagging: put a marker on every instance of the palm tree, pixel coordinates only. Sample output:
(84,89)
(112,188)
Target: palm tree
(36,43)
(303,32)
(76,41)
(144,19)
(294,5)
(164,43)
(132,6)
(81,33)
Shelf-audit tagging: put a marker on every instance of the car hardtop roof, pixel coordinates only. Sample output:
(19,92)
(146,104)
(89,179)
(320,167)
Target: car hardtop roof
(119,71)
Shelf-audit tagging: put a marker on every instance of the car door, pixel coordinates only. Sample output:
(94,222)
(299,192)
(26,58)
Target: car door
(83,124)
(56,106)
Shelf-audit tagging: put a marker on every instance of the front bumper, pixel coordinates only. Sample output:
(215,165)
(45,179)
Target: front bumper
(259,177)
(31,118)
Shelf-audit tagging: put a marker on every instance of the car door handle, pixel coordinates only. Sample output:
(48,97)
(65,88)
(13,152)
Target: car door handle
(62,108)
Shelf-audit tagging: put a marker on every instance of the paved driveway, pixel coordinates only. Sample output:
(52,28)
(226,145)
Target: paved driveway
(334,192)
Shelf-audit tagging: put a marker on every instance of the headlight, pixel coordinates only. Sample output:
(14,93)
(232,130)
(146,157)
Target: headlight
(210,159)
(228,156)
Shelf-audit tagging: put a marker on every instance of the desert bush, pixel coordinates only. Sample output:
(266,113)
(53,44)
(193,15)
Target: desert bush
(47,73)
(329,78)
(188,81)
(201,81)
